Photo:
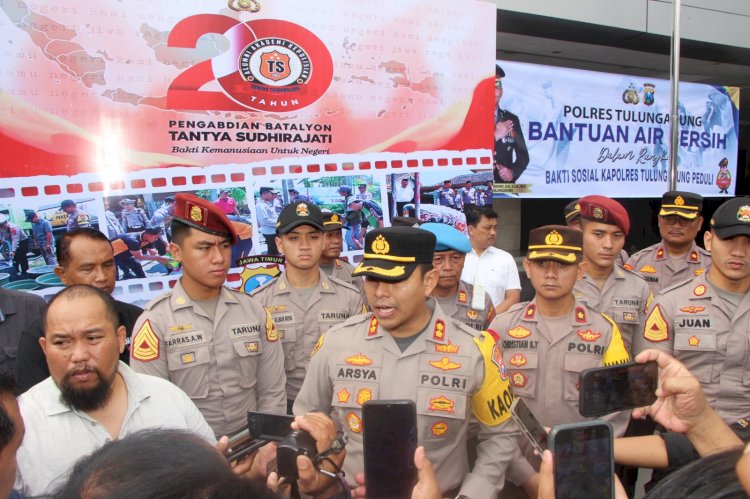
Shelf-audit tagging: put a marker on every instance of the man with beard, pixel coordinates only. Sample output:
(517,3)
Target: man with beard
(90,397)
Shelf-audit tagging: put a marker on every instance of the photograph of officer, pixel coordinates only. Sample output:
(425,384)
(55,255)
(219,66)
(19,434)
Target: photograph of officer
(511,154)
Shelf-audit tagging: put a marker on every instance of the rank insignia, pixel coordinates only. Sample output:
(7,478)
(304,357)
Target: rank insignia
(439,429)
(324,285)
(343,396)
(180,328)
(442,404)
(318,344)
(145,344)
(449,348)
(380,246)
(337,262)
(627,266)
(519,379)
(660,253)
(187,358)
(694,341)
(656,329)
(180,300)
(445,364)
(358,360)
(373,329)
(518,360)
(699,290)
(252,346)
(530,311)
(472,314)
(629,316)
(363,395)
(693,256)
(589,335)
(699,272)
(519,332)
(692,309)
(354,422)
(580,315)
(462,297)
(648,269)
(490,313)
(271,333)
(274,309)
(439,332)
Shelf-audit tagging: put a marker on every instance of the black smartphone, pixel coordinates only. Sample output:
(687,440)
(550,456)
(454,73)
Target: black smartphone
(583,460)
(530,425)
(616,388)
(269,427)
(390,439)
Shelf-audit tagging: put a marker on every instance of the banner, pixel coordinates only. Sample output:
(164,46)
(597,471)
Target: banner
(368,109)
(566,133)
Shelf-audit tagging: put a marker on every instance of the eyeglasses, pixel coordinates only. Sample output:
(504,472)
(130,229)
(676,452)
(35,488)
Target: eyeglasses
(675,220)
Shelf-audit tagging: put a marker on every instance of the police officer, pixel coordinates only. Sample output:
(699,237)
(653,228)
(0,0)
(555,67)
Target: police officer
(511,154)
(18,242)
(266,216)
(455,297)
(41,237)
(446,196)
(676,257)
(469,196)
(133,219)
(572,212)
(303,301)
(333,245)
(76,218)
(408,348)
(703,321)
(218,345)
(621,294)
(548,341)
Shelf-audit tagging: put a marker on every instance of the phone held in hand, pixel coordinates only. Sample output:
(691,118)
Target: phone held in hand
(530,425)
(583,460)
(603,390)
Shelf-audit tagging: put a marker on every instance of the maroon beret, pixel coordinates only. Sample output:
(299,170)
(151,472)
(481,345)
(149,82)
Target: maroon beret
(605,210)
(203,215)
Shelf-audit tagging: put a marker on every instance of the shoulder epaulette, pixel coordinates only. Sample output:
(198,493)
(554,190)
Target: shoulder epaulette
(158,299)
(676,285)
(340,282)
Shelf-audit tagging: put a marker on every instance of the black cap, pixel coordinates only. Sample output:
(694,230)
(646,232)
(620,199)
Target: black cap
(331,221)
(392,254)
(683,204)
(732,218)
(67,204)
(572,211)
(300,213)
(555,242)
(499,73)
(267,189)
(30,214)
(405,222)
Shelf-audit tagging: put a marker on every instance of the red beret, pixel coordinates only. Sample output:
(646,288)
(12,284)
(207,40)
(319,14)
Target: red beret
(203,215)
(605,210)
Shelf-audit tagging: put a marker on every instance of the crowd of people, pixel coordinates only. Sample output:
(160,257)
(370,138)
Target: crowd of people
(112,394)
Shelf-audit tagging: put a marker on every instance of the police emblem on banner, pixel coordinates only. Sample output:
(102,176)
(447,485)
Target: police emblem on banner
(648,93)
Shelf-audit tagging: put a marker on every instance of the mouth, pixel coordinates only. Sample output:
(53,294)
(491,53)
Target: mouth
(82,375)
(735,265)
(383,311)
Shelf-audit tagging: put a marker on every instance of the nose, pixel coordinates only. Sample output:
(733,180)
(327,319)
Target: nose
(79,352)
(382,289)
(608,242)
(217,255)
(100,275)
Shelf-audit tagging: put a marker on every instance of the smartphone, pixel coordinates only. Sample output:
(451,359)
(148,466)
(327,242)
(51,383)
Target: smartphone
(583,460)
(530,425)
(268,427)
(390,439)
(615,388)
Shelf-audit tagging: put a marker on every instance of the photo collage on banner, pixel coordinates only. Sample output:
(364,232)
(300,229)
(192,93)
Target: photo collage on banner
(114,111)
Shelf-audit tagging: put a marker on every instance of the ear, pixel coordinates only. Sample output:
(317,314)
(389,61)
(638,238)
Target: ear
(527,267)
(43,344)
(430,280)
(60,273)
(280,244)
(707,238)
(121,337)
(175,251)
(582,268)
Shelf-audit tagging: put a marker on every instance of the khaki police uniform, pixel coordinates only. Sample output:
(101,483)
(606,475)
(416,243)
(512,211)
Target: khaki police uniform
(459,307)
(300,324)
(228,365)
(658,269)
(544,365)
(342,270)
(624,297)
(454,376)
(691,322)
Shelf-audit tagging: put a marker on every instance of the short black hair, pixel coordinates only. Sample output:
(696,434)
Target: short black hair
(169,199)
(154,231)
(474,215)
(82,291)
(180,231)
(7,426)
(158,463)
(62,246)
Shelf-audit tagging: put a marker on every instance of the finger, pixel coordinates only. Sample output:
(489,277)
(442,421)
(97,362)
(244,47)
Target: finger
(546,477)
(308,475)
(223,444)
(619,489)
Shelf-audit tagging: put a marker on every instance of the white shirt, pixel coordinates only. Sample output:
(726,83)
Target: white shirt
(404,194)
(495,270)
(58,436)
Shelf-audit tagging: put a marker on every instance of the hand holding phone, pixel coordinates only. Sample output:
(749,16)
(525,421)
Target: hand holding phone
(583,460)
(603,390)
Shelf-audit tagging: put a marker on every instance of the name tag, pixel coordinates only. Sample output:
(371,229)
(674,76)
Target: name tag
(185,339)
(281,319)
(244,330)
(333,315)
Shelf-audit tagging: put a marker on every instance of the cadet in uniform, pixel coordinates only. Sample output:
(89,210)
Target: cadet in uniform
(676,257)
(573,219)
(133,219)
(548,341)
(303,301)
(703,322)
(218,345)
(333,245)
(408,348)
(455,297)
(621,294)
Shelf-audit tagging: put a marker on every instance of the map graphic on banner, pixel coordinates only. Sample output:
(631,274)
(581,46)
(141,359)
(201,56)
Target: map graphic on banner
(567,133)
(109,109)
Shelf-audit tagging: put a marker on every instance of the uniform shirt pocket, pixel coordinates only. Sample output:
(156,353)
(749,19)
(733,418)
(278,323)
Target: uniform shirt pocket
(288,335)
(523,372)
(188,368)
(440,416)
(248,347)
(574,364)
(697,350)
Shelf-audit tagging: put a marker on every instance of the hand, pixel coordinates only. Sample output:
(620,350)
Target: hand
(743,470)
(505,173)
(547,480)
(680,404)
(503,129)
(323,430)
(426,487)
(241,467)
